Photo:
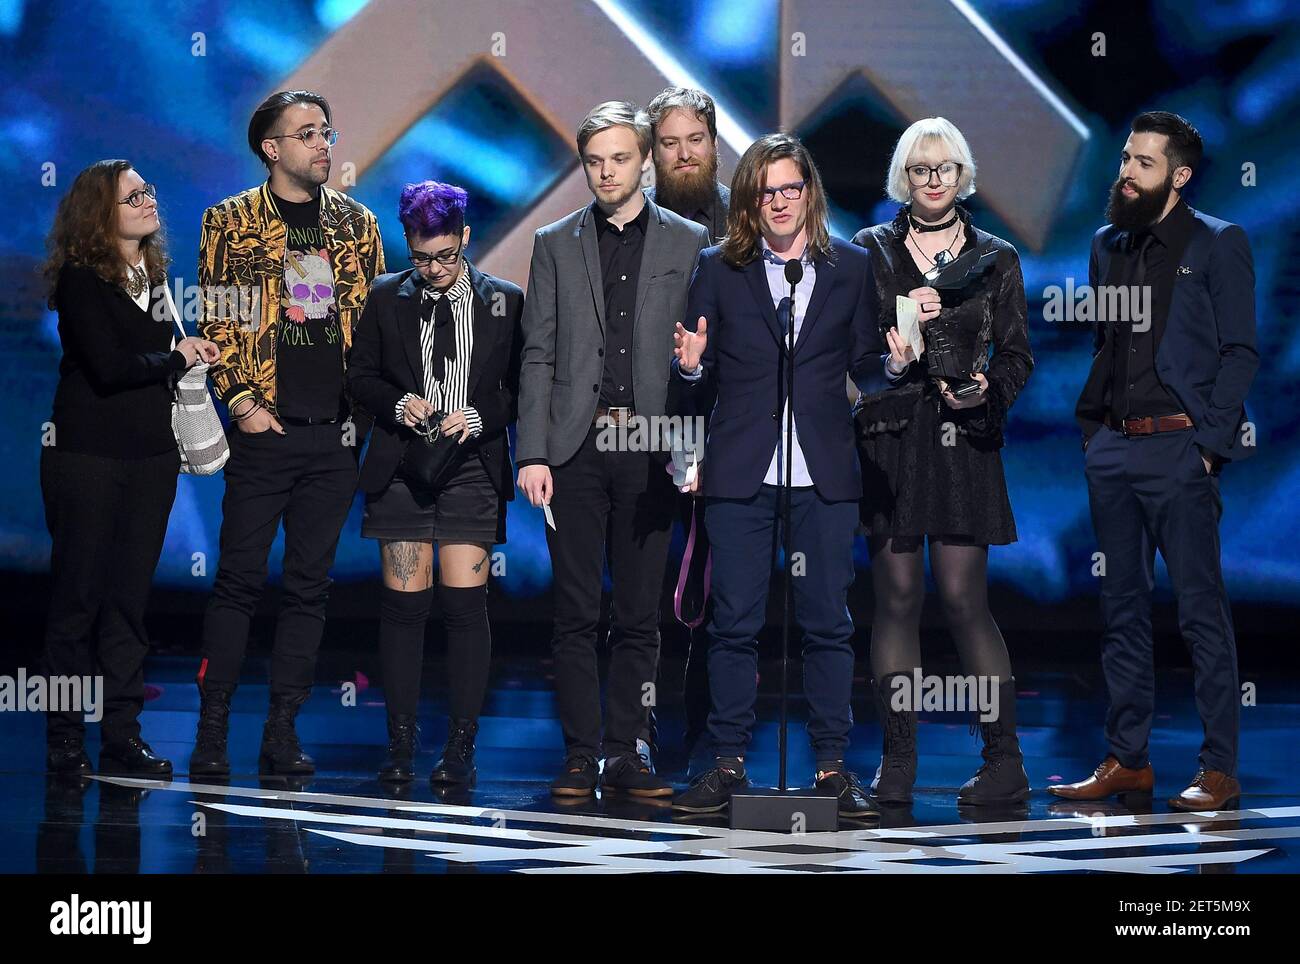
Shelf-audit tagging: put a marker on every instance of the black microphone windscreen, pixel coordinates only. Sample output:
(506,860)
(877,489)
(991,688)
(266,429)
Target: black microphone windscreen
(794,271)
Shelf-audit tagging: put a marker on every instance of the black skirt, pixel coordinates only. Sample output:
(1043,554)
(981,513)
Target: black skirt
(929,470)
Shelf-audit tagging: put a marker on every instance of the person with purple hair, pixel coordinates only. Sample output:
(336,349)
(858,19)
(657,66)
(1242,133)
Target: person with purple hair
(436,352)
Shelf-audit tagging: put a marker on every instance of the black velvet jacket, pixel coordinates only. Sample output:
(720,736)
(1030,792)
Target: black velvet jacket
(991,310)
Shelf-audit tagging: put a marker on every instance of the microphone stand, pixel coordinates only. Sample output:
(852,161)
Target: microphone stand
(793,275)
(782,809)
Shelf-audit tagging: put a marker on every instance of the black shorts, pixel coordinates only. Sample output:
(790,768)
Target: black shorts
(466,509)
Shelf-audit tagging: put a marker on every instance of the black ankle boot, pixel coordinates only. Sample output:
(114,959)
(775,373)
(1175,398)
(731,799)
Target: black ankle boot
(403,733)
(280,753)
(457,763)
(897,771)
(209,756)
(1002,778)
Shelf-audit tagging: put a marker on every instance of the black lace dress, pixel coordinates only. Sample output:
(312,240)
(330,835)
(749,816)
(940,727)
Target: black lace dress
(927,469)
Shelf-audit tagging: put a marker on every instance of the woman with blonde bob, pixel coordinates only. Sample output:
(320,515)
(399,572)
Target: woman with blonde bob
(929,448)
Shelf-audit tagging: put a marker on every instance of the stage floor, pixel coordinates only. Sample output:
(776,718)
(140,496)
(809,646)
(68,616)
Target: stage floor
(344,821)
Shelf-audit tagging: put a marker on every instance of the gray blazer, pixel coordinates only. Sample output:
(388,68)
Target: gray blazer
(564,328)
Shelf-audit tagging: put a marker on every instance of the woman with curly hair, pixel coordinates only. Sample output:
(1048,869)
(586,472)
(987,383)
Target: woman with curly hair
(109,462)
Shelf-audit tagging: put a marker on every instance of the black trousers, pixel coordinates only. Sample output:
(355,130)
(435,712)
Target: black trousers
(107,519)
(621,503)
(305,478)
(1147,493)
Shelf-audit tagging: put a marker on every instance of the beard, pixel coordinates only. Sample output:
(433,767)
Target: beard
(1134,214)
(617,199)
(686,192)
(309,175)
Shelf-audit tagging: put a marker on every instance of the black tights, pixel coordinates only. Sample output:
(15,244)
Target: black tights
(961,572)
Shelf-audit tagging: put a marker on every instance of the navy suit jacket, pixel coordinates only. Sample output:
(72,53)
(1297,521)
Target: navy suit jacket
(1205,352)
(741,392)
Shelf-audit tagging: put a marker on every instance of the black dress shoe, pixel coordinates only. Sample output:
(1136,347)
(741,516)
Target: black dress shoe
(132,756)
(456,765)
(280,753)
(630,774)
(853,800)
(67,757)
(399,765)
(711,791)
(577,779)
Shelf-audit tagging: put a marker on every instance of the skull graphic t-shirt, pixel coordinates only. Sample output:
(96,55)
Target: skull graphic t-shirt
(309,344)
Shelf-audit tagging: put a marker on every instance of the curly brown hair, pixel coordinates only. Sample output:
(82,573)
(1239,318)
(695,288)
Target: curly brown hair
(85,232)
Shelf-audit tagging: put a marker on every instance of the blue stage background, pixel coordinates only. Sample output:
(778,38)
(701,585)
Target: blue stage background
(83,81)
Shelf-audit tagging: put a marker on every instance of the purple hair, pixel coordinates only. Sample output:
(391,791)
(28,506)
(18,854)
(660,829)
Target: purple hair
(431,209)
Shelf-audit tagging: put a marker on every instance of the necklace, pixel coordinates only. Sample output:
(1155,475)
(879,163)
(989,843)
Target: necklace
(924,228)
(944,256)
(136,279)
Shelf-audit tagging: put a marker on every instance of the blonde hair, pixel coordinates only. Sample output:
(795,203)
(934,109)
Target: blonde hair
(921,134)
(615,113)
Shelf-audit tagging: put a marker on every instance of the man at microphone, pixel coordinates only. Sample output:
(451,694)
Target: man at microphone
(777,267)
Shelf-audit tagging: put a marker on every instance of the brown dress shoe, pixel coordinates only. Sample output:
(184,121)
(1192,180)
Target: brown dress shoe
(1108,779)
(1210,790)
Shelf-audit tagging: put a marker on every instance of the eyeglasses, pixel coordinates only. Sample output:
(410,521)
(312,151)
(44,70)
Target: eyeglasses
(948,171)
(791,192)
(311,137)
(136,197)
(422,259)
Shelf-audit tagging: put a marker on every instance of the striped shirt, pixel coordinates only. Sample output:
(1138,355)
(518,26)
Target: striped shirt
(450,395)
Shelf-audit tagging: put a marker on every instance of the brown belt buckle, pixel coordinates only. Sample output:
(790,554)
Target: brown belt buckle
(1138,425)
(620,419)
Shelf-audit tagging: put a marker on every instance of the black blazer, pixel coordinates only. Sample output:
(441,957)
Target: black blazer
(1205,351)
(385,363)
(115,377)
(740,394)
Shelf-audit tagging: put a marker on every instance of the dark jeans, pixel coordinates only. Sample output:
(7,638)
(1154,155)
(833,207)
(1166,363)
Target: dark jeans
(306,477)
(623,502)
(744,533)
(1147,493)
(107,519)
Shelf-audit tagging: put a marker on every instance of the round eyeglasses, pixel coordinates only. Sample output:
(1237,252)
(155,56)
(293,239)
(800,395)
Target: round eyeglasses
(920,174)
(312,137)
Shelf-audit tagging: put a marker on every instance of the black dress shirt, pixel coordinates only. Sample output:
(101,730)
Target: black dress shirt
(1136,389)
(620,266)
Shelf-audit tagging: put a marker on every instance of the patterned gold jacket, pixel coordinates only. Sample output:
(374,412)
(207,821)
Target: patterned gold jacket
(241,271)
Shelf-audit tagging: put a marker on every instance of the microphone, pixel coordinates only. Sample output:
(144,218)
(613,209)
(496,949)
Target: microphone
(793,271)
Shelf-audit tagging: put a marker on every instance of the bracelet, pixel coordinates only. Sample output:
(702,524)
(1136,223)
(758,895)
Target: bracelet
(252,407)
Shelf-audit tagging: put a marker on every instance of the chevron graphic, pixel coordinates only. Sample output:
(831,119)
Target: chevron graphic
(530,842)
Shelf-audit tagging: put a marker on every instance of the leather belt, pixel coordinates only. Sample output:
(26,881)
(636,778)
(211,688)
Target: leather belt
(618,416)
(1150,424)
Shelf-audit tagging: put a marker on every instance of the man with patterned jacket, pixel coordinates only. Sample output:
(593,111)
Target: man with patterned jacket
(285,269)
